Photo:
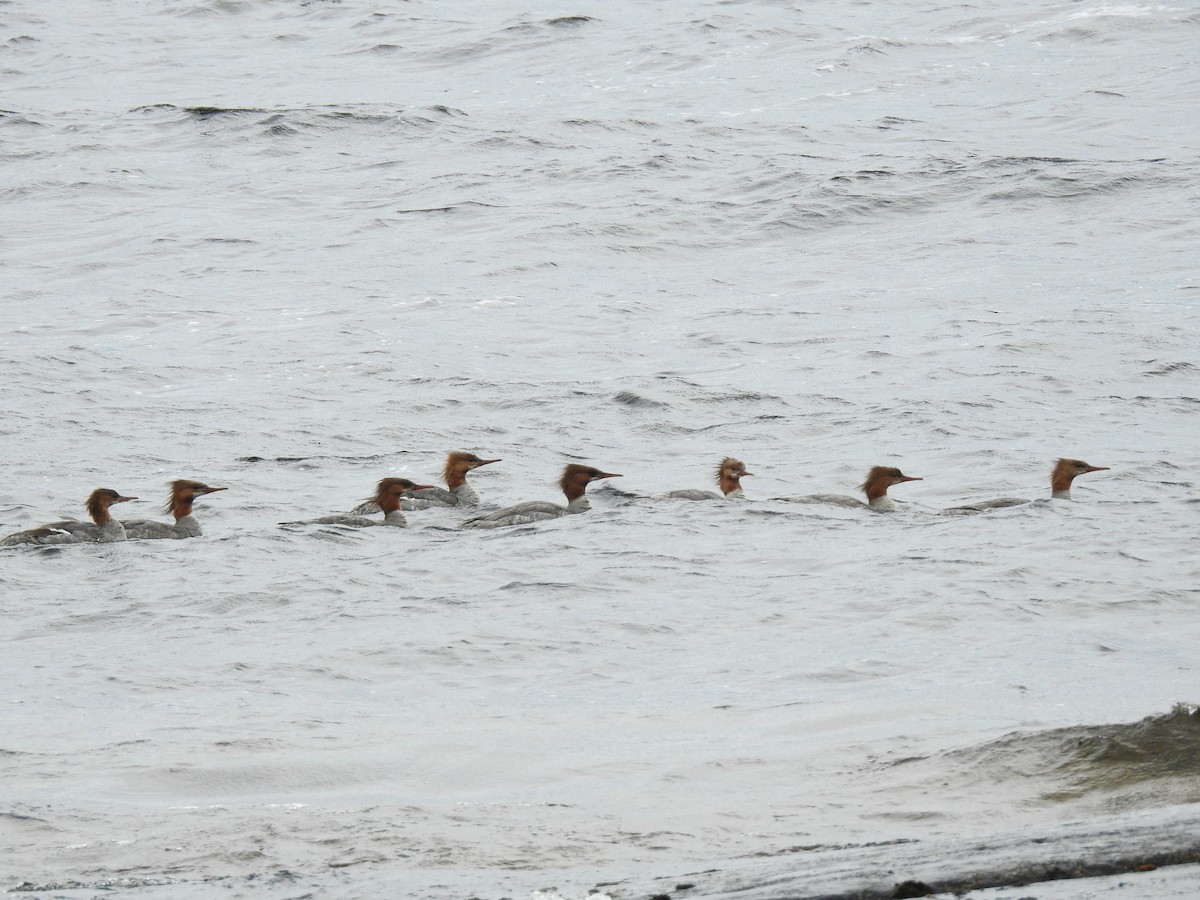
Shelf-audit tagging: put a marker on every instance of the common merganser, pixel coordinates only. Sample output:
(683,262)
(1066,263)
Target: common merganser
(184,492)
(1064,473)
(730,471)
(574,482)
(458,464)
(1061,476)
(876,485)
(102,529)
(388,494)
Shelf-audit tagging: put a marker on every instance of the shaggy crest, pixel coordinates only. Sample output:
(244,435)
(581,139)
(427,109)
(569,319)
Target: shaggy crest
(183,493)
(878,474)
(880,478)
(734,467)
(729,474)
(99,502)
(388,492)
(458,463)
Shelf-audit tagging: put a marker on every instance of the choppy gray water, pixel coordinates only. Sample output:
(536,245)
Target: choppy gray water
(293,247)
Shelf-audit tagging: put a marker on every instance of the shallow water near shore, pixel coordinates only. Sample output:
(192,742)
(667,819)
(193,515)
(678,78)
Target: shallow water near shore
(292,249)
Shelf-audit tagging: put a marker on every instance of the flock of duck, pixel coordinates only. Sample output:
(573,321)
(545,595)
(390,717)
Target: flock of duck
(393,496)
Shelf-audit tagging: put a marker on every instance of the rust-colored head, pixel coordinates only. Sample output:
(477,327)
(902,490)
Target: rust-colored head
(576,478)
(880,478)
(730,471)
(390,491)
(99,502)
(458,464)
(1065,471)
(184,492)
